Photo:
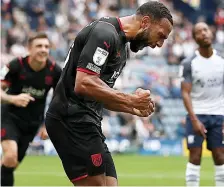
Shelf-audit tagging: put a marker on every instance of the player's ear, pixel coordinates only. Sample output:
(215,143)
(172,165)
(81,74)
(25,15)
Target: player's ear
(145,23)
(29,45)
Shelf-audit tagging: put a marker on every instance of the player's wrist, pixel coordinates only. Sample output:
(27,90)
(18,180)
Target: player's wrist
(193,117)
(10,99)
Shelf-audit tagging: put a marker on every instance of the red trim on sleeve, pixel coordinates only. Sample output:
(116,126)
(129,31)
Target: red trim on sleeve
(7,82)
(87,71)
(119,21)
(79,178)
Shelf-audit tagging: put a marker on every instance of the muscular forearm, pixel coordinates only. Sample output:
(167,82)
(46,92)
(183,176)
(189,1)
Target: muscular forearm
(119,108)
(101,92)
(188,105)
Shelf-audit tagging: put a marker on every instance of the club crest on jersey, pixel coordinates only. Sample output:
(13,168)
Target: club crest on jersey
(96,159)
(48,80)
(100,56)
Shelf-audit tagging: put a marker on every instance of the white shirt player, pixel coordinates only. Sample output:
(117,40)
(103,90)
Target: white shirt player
(207,78)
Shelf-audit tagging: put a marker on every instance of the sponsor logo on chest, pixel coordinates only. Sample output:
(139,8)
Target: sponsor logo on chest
(38,93)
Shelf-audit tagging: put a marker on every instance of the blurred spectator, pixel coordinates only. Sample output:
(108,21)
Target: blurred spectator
(181,129)
(144,128)
(219,16)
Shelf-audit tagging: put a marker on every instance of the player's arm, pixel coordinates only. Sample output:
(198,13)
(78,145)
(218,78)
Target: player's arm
(99,49)
(93,87)
(186,90)
(8,75)
(5,98)
(186,87)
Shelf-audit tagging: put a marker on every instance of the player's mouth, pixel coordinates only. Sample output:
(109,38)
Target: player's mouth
(42,55)
(206,39)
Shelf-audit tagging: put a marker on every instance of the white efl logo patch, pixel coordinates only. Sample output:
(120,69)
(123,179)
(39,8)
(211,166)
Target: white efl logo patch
(100,56)
(190,139)
(4,70)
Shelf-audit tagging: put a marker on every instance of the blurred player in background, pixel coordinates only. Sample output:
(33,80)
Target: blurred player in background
(94,62)
(203,95)
(27,81)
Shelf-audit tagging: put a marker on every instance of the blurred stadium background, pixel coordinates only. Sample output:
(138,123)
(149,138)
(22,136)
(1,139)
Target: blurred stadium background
(147,151)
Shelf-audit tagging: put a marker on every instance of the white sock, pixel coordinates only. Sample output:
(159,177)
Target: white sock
(219,175)
(192,175)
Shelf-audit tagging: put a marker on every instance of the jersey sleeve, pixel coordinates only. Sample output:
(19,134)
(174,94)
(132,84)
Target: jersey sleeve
(97,50)
(9,72)
(186,71)
(57,74)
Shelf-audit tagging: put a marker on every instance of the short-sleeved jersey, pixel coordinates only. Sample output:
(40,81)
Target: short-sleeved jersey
(22,79)
(207,78)
(100,49)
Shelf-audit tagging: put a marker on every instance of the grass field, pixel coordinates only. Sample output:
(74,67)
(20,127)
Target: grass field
(133,170)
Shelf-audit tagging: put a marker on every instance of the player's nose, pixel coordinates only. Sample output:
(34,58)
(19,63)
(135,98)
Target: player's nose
(44,49)
(203,33)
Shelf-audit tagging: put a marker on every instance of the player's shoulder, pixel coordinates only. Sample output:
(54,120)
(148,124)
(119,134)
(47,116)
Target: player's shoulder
(219,54)
(188,60)
(105,29)
(16,64)
(53,66)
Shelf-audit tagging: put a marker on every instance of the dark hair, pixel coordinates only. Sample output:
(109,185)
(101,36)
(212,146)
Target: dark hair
(37,36)
(155,10)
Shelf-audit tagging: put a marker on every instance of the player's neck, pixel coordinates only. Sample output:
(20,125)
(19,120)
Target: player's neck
(129,25)
(206,52)
(36,66)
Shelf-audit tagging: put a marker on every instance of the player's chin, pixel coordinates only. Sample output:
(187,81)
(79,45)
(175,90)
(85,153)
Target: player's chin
(41,59)
(133,49)
(206,44)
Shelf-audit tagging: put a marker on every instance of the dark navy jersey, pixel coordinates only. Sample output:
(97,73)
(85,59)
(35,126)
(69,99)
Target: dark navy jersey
(100,49)
(22,79)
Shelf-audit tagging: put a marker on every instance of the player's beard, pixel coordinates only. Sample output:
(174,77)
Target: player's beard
(140,41)
(205,45)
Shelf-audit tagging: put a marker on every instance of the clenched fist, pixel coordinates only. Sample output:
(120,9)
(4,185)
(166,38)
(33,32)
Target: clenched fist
(143,105)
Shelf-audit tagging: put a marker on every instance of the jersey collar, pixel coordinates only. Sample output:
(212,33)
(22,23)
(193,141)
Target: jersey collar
(198,54)
(123,36)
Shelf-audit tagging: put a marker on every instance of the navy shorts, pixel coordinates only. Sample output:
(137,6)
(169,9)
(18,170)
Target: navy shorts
(213,125)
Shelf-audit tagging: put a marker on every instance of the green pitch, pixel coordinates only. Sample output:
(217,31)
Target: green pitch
(132,170)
